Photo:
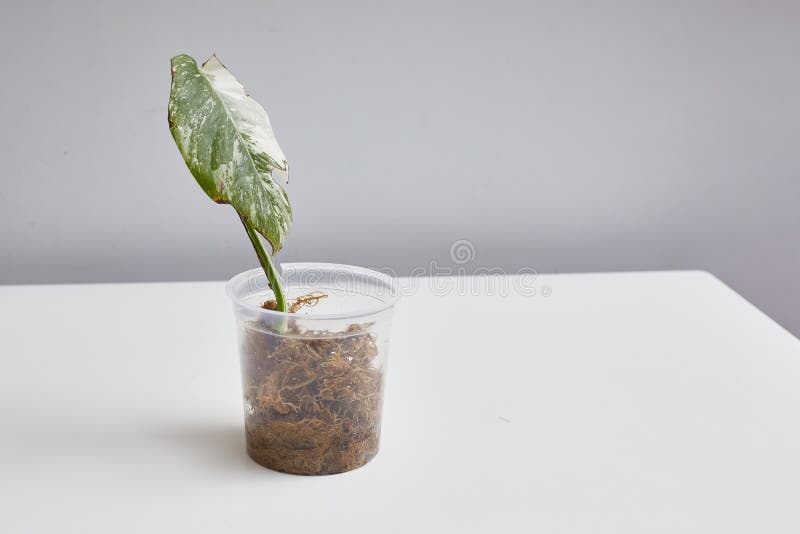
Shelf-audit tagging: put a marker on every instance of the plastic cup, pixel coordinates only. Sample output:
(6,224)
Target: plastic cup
(313,380)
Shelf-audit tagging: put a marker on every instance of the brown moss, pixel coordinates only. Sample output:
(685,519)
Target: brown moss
(313,405)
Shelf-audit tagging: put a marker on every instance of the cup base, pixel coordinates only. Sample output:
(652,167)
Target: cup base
(307,466)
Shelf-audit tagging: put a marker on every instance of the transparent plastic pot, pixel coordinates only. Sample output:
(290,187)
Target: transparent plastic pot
(313,380)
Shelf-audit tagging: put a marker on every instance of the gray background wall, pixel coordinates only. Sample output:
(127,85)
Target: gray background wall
(564,136)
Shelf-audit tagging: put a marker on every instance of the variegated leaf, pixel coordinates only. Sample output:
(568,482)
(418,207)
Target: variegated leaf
(227,142)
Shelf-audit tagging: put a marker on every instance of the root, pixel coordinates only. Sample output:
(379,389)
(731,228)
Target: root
(309,299)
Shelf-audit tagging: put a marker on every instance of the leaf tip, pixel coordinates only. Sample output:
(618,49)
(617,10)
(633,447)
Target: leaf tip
(213,62)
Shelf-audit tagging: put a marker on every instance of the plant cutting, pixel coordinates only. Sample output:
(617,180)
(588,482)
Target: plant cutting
(313,336)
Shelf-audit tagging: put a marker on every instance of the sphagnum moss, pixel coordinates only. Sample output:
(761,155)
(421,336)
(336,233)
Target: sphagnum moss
(313,405)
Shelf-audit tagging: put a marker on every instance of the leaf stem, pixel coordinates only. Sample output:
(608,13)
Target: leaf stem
(266,264)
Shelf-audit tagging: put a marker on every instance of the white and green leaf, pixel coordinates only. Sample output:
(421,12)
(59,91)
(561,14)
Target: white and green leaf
(227,142)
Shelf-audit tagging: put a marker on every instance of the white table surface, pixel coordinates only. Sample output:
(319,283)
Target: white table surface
(620,403)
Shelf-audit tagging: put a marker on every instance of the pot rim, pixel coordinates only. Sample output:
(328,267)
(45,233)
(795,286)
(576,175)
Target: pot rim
(390,299)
